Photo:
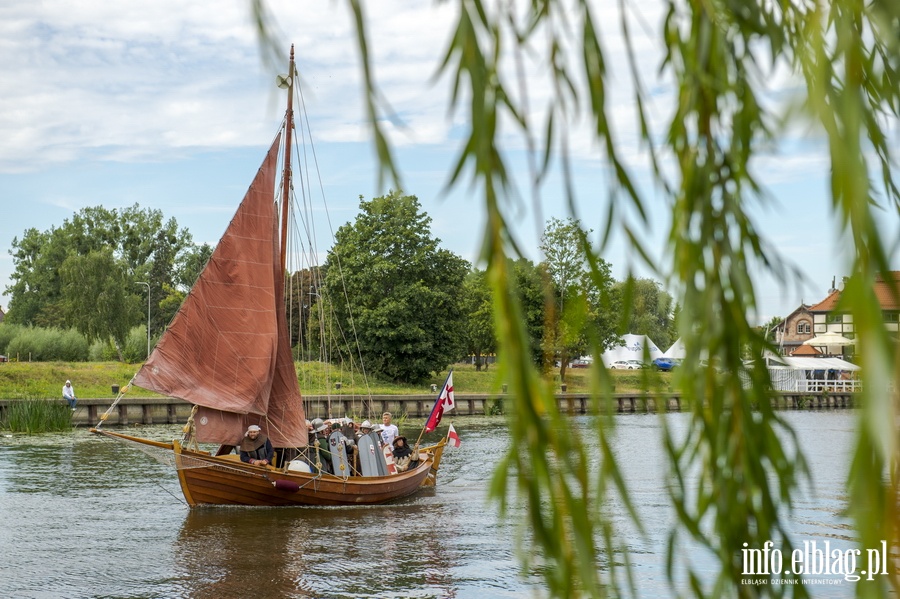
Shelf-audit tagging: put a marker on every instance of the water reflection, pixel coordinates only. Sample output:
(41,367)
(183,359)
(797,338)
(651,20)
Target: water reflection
(239,552)
(315,552)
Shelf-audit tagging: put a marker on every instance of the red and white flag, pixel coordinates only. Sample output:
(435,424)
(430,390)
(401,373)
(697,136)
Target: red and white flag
(444,402)
(452,437)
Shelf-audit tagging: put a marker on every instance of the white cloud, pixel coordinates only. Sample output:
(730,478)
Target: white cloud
(84,84)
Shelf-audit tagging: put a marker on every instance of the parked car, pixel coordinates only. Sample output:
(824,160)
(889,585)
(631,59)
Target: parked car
(621,365)
(666,364)
(636,364)
(580,364)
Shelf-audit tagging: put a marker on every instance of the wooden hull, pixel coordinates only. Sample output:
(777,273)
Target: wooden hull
(225,480)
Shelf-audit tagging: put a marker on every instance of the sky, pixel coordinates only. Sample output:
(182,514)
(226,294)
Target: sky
(169,105)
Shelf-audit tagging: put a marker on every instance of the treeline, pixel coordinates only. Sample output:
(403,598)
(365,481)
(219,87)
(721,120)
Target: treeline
(98,271)
(411,308)
(388,295)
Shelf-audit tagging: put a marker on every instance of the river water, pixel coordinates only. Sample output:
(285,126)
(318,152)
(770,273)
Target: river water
(82,516)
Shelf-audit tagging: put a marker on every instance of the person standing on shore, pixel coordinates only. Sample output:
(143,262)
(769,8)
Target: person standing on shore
(69,395)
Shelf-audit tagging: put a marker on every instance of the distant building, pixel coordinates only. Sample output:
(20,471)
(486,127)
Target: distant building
(1,314)
(808,321)
(791,332)
(827,317)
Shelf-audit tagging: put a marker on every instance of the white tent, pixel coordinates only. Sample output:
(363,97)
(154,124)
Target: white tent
(676,350)
(802,363)
(632,348)
(790,373)
(829,339)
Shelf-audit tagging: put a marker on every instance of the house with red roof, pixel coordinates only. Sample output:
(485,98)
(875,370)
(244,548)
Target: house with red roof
(828,316)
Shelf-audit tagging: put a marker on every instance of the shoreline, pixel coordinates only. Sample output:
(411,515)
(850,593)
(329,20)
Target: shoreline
(165,410)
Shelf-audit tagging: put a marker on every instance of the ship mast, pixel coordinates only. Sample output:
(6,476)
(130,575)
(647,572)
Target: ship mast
(286,179)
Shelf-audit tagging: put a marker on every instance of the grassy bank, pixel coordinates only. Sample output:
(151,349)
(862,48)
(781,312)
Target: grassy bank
(36,380)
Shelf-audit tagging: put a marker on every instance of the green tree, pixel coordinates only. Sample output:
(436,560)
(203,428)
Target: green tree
(392,286)
(528,283)
(190,265)
(148,247)
(35,294)
(302,292)
(575,301)
(166,307)
(563,245)
(527,280)
(175,280)
(769,328)
(97,298)
(479,320)
(649,310)
(160,274)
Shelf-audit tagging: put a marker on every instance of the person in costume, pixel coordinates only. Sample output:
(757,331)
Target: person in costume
(402,454)
(322,454)
(256,448)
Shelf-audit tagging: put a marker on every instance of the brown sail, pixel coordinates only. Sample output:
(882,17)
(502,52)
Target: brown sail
(227,350)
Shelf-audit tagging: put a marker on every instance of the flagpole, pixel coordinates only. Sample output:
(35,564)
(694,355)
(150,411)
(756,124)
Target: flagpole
(433,408)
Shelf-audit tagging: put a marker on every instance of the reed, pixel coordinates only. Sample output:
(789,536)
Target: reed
(33,416)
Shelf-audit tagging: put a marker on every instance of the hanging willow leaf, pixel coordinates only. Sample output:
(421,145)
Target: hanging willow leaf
(736,470)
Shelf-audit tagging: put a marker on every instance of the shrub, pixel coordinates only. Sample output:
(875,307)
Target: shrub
(103,351)
(71,347)
(136,344)
(7,333)
(48,345)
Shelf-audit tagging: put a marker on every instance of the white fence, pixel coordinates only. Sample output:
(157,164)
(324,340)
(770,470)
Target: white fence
(794,380)
(813,381)
(838,386)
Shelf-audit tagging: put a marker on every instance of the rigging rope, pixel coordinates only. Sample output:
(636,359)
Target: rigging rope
(105,415)
(306,153)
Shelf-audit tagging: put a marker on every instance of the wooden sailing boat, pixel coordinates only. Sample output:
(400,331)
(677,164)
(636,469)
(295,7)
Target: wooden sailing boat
(227,351)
